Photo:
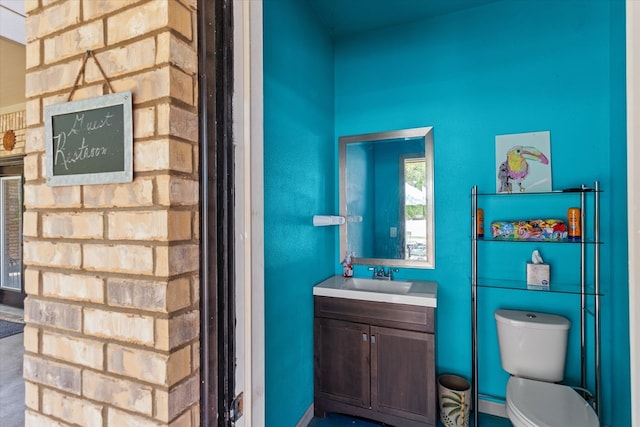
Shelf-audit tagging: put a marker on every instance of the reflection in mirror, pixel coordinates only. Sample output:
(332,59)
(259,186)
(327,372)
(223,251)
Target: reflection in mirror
(386,194)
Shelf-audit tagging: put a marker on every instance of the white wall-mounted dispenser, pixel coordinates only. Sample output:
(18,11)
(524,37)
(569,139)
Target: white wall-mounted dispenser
(322,220)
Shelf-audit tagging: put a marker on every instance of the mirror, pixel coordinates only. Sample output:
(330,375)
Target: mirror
(386,196)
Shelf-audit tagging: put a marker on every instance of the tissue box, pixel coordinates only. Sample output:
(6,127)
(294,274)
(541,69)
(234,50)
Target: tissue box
(538,275)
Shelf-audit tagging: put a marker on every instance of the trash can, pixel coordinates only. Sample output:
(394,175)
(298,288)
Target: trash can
(454,397)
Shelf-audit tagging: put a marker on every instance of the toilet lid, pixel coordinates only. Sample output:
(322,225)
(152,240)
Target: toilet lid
(548,404)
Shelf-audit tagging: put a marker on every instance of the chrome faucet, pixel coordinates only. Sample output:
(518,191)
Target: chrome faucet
(381,274)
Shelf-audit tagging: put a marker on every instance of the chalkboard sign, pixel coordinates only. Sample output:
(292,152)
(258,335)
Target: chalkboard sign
(89,141)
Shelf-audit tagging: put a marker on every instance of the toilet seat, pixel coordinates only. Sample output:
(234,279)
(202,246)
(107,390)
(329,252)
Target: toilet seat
(533,403)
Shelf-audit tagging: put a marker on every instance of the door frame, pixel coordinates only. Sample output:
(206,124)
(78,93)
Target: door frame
(217,212)
(633,195)
(10,297)
(249,197)
(230,78)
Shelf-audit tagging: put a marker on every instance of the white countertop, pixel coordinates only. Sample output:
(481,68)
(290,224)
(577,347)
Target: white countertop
(419,293)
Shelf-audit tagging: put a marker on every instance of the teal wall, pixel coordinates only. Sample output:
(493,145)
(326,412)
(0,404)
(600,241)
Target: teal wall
(299,182)
(506,67)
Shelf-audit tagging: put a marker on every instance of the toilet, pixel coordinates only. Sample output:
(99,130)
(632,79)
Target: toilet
(533,348)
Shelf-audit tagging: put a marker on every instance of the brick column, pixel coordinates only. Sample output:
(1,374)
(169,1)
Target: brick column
(111,271)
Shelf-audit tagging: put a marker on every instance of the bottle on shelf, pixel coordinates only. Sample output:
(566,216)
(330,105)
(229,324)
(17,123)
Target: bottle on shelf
(480,223)
(574,232)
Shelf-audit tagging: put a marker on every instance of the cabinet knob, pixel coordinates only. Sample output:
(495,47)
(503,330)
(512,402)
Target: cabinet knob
(364,338)
(373,339)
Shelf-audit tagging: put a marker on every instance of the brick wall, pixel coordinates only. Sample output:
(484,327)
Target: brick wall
(111,271)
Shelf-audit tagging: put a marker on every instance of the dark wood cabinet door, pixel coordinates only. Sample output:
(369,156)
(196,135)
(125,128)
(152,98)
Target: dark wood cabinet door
(341,359)
(403,374)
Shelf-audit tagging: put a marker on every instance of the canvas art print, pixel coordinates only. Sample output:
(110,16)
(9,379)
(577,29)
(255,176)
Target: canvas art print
(523,162)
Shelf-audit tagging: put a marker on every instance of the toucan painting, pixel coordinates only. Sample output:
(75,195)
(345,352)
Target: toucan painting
(515,162)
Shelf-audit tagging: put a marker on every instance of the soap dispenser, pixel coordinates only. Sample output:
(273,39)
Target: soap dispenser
(347,266)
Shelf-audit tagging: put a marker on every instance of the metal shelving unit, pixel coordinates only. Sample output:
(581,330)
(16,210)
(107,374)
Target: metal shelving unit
(586,313)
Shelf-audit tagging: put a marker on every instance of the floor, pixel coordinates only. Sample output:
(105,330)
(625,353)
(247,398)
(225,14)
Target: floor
(11,382)
(337,420)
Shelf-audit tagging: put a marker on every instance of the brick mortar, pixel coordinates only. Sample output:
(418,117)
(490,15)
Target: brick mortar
(107,275)
(115,242)
(166,100)
(110,374)
(157,315)
(161,136)
(105,242)
(106,406)
(173,102)
(153,208)
(115,375)
(82,83)
(137,175)
(121,44)
(43,328)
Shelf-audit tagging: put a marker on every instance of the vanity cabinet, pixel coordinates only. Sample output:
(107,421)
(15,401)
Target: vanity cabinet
(375,360)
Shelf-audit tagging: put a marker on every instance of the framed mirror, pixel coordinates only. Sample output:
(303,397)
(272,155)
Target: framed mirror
(386,196)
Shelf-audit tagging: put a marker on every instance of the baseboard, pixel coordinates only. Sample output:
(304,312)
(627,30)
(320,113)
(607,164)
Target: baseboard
(306,418)
(492,407)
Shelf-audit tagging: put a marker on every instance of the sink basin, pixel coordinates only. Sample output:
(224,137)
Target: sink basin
(414,292)
(376,285)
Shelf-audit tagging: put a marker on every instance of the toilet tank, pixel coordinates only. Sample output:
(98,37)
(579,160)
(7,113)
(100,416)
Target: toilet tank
(532,344)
